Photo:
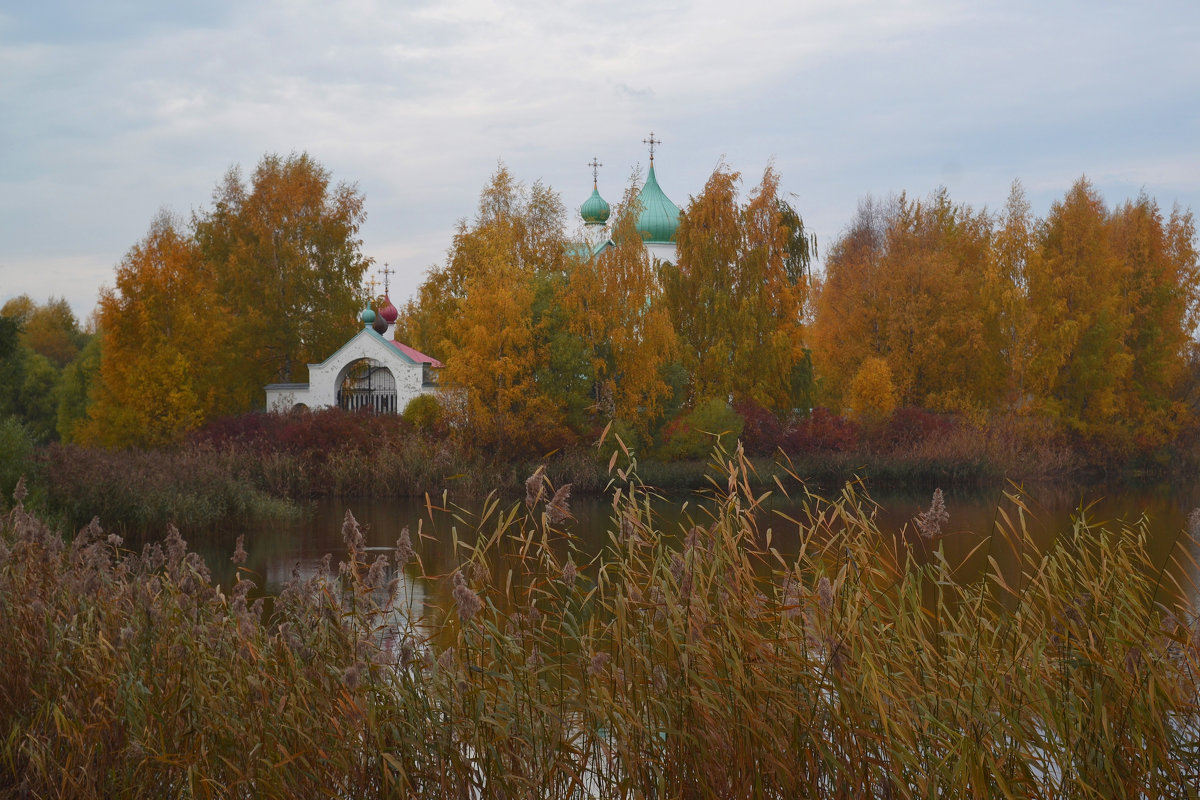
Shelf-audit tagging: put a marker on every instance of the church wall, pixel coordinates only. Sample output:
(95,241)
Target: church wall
(322,387)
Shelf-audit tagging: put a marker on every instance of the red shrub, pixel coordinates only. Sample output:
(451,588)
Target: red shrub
(304,433)
(762,433)
(911,426)
(822,430)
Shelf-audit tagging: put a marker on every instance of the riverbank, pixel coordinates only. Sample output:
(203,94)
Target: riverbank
(263,466)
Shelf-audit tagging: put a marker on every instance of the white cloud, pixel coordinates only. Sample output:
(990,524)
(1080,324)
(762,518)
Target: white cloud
(108,121)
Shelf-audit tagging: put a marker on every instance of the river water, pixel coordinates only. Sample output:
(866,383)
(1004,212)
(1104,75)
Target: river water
(277,548)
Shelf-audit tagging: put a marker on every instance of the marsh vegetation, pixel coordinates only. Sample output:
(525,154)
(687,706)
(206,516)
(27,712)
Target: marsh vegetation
(694,660)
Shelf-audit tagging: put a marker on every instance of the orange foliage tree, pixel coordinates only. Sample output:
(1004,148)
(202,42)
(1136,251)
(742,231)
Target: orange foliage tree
(615,306)
(1114,300)
(487,312)
(1087,317)
(736,296)
(288,265)
(164,344)
(908,284)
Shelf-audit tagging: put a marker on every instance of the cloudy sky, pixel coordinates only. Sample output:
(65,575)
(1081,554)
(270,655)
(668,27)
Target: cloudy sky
(111,111)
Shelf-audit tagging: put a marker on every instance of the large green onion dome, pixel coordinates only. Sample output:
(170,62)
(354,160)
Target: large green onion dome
(660,217)
(594,210)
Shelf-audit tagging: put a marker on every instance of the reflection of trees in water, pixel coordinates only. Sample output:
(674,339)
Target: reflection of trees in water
(277,548)
(368,384)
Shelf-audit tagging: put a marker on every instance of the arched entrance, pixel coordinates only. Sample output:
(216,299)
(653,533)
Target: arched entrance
(366,383)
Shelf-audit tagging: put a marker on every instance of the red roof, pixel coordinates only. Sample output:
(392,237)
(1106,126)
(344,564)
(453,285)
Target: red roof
(416,355)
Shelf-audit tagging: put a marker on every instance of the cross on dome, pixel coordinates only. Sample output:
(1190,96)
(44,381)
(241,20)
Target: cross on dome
(595,165)
(386,272)
(653,143)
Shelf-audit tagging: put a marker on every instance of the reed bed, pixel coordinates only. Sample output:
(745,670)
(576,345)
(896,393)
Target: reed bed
(698,662)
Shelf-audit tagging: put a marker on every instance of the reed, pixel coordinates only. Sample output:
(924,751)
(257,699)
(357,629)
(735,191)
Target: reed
(698,662)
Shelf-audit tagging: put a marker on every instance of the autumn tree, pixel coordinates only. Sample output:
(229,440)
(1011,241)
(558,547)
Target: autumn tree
(1011,258)
(488,313)
(738,293)
(165,344)
(1080,368)
(287,265)
(49,329)
(40,339)
(1114,303)
(872,395)
(615,306)
(907,284)
(1160,291)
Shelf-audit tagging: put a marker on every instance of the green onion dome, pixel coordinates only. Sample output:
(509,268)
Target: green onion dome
(659,219)
(367,316)
(594,210)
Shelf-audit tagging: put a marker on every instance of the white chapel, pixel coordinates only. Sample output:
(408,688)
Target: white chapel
(372,370)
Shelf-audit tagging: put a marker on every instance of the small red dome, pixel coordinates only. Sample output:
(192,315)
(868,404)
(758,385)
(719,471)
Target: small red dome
(388,313)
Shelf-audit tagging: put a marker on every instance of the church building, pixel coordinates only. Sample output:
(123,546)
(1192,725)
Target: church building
(372,370)
(657,223)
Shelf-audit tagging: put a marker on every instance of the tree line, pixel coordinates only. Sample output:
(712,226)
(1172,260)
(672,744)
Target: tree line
(205,311)
(1085,318)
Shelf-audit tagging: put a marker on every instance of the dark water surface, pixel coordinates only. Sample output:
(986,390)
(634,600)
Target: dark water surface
(277,548)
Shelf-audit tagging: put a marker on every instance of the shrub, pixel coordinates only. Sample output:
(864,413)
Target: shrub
(17,448)
(424,413)
(822,430)
(762,434)
(911,426)
(692,437)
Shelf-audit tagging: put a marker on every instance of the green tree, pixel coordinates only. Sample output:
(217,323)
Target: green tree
(288,266)
(12,364)
(77,387)
(38,398)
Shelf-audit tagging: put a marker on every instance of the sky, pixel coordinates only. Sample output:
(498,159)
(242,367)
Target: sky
(110,112)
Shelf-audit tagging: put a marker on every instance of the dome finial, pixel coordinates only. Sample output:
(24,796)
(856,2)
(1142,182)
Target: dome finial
(595,165)
(386,272)
(653,143)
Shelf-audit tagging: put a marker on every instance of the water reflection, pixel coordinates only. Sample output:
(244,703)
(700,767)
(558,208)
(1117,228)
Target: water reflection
(279,549)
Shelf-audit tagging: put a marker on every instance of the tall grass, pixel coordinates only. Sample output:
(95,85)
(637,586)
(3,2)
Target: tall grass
(698,662)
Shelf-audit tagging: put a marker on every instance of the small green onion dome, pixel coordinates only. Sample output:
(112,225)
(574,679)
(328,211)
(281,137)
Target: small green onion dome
(659,219)
(594,210)
(367,316)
